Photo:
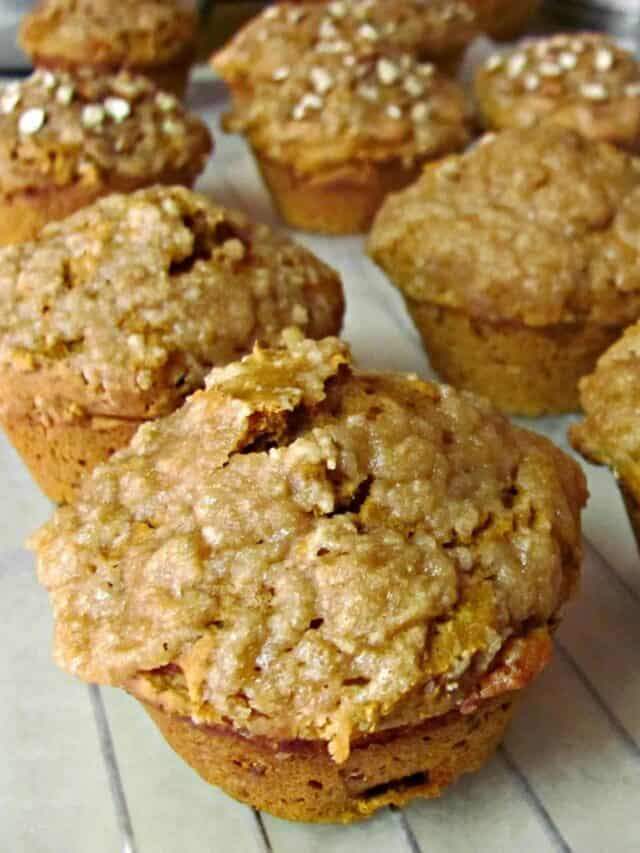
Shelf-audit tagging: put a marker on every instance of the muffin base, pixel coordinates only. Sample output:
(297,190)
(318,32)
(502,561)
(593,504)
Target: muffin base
(336,203)
(633,509)
(523,370)
(298,780)
(59,454)
(23,215)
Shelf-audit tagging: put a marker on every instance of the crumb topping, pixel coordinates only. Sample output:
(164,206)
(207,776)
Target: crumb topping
(143,33)
(538,226)
(327,111)
(304,548)
(145,292)
(610,397)
(58,129)
(557,78)
(284,33)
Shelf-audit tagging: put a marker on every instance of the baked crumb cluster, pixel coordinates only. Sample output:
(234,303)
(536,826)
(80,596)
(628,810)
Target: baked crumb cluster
(338,549)
(145,292)
(325,109)
(544,209)
(586,65)
(285,31)
(610,433)
(135,33)
(61,128)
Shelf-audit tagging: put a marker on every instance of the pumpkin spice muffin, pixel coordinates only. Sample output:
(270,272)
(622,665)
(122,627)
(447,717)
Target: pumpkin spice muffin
(333,135)
(151,37)
(583,81)
(519,263)
(504,19)
(365,573)
(610,432)
(116,314)
(66,140)
(284,33)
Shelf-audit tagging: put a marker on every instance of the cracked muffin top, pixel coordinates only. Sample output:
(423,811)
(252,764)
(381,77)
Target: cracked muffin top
(307,550)
(326,112)
(285,33)
(610,397)
(126,305)
(583,81)
(537,226)
(147,32)
(62,129)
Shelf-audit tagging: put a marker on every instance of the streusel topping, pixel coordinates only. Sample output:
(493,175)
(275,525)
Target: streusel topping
(140,295)
(285,32)
(610,431)
(538,226)
(304,547)
(566,78)
(329,110)
(58,129)
(145,32)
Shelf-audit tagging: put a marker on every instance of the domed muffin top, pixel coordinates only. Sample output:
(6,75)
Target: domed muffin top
(146,32)
(305,550)
(62,129)
(537,226)
(128,303)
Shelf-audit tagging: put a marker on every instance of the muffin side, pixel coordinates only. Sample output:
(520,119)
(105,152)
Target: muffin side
(334,539)
(118,313)
(500,257)
(503,19)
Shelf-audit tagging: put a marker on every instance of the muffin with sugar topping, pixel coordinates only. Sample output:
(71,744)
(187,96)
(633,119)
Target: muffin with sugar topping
(326,585)
(519,262)
(116,314)
(66,140)
(438,31)
(151,37)
(334,134)
(583,81)
(504,19)
(609,434)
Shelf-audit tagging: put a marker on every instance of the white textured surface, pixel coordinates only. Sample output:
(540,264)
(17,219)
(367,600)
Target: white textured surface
(568,777)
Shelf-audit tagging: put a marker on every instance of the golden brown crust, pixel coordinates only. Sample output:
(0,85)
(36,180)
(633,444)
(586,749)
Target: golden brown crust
(333,542)
(610,431)
(59,130)
(125,35)
(533,226)
(300,781)
(523,370)
(583,81)
(504,19)
(286,33)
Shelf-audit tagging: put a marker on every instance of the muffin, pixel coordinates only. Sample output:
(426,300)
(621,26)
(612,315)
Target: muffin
(151,37)
(610,432)
(333,135)
(504,19)
(283,34)
(115,315)
(365,570)
(583,81)
(519,262)
(66,140)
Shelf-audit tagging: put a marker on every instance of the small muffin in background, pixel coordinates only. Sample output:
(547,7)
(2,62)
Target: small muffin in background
(66,140)
(610,432)
(118,313)
(583,81)
(328,587)
(151,37)
(519,263)
(333,136)
(503,20)
(283,34)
